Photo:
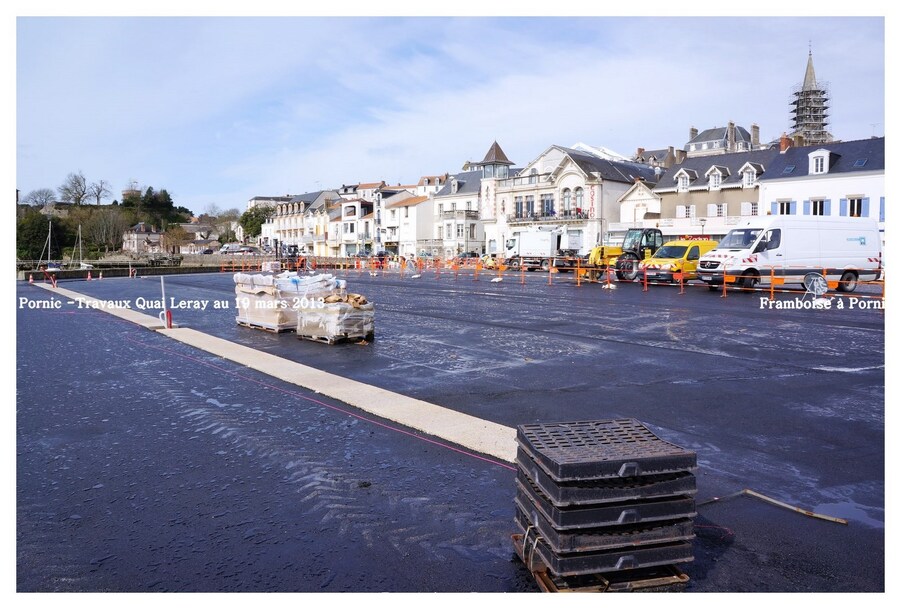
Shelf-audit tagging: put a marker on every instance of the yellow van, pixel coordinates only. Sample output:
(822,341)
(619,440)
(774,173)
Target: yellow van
(681,255)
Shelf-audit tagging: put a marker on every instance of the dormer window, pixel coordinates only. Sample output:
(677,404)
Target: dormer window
(715,180)
(749,178)
(818,162)
(683,182)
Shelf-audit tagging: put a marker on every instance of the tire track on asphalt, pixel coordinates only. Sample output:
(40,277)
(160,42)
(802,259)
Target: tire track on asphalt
(327,491)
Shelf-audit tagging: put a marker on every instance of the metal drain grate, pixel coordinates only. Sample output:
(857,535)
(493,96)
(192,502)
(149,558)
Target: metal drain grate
(605,514)
(617,559)
(605,490)
(584,450)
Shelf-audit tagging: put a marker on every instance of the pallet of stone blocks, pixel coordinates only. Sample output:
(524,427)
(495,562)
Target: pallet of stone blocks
(603,501)
(337,318)
(271,302)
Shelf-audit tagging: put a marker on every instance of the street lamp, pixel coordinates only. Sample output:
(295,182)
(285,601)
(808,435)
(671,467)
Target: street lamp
(702,226)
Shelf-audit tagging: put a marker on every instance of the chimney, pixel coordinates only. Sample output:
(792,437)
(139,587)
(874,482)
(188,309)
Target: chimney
(693,133)
(729,134)
(679,157)
(754,136)
(640,152)
(785,142)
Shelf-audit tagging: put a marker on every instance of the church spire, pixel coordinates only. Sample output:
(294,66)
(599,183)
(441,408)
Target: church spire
(810,108)
(809,81)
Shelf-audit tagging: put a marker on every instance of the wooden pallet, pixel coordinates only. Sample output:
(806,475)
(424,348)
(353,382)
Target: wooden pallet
(268,328)
(333,340)
(657,579)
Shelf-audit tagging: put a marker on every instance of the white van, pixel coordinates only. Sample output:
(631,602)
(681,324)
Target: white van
(843,249)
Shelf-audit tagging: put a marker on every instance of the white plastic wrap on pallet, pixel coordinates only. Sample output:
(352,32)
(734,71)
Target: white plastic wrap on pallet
(336,320)
(309,286)
(259,305)
(274,301)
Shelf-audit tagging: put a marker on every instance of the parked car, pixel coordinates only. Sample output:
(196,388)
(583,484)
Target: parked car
(681,255)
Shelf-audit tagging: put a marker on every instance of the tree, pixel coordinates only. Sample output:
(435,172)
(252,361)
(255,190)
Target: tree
(40,197)
(106,227)
(253,219)
(175,237)
(99,191)
(227,236)
(31,237)
(74,189)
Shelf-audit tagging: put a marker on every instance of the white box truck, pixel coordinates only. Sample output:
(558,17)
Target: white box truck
(539,249)
(846,250)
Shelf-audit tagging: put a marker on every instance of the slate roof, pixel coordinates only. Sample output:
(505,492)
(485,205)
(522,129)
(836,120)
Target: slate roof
(308,197)
(614,171)
(720,134)
(143,228)
(467,181)
(659,155)
(495,156)
(844,157)
(732,161)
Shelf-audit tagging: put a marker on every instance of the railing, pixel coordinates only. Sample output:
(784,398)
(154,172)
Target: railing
(457,213)
(563,216)
(529,180)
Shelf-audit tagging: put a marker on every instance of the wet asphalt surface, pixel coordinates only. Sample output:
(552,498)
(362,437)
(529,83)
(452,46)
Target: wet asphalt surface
(146,465)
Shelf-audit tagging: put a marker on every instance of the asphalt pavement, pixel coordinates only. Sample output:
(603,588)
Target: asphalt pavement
(146,465)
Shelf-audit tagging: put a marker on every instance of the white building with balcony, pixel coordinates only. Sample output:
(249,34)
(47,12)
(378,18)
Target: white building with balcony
(293,222)
(576,188)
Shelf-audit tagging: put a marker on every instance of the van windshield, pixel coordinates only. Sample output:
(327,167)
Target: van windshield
(671,251)
(739,238)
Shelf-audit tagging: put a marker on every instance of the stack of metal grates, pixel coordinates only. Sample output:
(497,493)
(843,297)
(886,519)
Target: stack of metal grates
(603,497)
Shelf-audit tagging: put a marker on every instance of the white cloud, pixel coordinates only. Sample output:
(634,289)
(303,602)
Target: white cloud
(224,109)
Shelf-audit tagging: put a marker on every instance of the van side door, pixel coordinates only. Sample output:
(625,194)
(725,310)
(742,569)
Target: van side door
(769,252)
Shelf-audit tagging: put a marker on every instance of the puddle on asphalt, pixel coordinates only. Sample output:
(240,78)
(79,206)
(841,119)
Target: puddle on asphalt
(853,512)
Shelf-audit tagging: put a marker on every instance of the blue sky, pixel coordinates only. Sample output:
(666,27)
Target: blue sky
(218,110)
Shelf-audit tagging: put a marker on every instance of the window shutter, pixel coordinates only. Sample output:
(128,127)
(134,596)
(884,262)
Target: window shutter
(806,208)
(865,209)
(693,211)
(746,208)
(827,207)
(679,211)
(711,209)
(774,208)
(843,207)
